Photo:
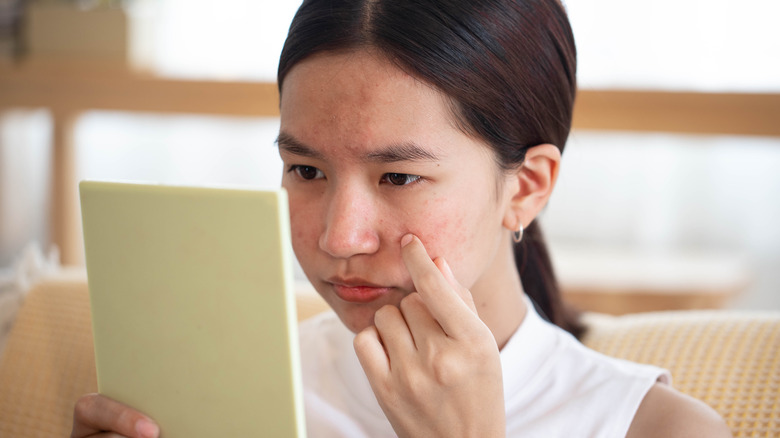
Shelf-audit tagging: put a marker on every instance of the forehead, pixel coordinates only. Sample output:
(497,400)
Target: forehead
(358,100)
(356,76)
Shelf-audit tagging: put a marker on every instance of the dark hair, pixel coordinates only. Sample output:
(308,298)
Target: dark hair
(507,66)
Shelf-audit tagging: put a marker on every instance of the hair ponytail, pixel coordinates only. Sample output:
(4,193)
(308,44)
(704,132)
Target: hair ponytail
(539,282)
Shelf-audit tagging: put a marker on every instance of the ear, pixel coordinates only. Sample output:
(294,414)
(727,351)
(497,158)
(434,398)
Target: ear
(531,185)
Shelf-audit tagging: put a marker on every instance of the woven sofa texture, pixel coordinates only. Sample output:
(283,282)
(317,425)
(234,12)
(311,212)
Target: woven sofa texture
(729,359)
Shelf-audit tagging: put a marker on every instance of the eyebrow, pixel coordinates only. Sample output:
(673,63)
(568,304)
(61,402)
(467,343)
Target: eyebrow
(401,152)
(291,144)
(407,151)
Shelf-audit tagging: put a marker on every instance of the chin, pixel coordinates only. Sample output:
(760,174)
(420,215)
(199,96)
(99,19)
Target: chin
(356,317)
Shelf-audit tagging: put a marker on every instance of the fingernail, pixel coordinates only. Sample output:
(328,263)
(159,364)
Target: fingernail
(147,429)
(406,239)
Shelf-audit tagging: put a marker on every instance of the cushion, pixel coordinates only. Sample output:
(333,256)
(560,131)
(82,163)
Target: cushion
(728,359)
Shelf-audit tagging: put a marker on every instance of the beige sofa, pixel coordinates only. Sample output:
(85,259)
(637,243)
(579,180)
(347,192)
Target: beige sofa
(729,359)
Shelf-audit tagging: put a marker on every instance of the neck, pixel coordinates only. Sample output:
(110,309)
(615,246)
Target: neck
(498,296)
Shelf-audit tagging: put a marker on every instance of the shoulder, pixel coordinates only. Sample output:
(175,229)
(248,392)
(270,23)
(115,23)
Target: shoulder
(665,412)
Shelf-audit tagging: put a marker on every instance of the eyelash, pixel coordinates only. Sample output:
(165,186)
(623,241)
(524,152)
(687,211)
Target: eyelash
(410,179)
(297,168)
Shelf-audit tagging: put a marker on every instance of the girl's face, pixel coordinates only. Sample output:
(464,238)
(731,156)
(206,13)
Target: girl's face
(371,154)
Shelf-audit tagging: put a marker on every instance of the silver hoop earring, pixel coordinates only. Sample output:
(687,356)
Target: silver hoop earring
(517,236)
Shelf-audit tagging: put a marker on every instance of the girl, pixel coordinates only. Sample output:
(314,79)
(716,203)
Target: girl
(420,140)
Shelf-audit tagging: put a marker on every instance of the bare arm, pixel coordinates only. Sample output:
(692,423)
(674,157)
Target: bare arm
(667,413)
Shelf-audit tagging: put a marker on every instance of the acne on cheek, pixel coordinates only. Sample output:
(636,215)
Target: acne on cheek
(301,229)
(298,237)
(443,235)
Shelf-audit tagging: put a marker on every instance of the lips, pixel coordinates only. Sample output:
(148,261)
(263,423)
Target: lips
(357,290)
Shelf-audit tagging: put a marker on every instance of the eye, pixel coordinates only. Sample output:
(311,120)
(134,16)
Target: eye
(400,179)
(306,172)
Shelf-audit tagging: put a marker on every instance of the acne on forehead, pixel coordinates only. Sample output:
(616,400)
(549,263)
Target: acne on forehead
(357,76)
(354,115)
(353,101)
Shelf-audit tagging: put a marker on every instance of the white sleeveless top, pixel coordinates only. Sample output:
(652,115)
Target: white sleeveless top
(553,385)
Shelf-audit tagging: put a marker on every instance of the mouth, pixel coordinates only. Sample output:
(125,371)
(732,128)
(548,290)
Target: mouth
(357,290)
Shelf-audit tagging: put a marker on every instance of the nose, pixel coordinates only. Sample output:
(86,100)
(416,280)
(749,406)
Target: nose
(350,227)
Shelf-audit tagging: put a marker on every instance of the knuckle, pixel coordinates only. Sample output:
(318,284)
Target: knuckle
(447,368)
(384,315)
(410,302)
(448,372)
(478,336)
(363,339)
(478,347)
(476,340)
(85,406)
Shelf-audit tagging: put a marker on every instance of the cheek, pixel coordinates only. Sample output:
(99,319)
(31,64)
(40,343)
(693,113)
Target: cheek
(464,230)
(444,228)
(304,232)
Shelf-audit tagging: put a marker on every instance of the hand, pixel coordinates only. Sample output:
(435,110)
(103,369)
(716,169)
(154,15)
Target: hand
(96,415)
(433,364)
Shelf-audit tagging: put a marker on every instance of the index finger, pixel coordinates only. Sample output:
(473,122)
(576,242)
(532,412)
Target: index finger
(441,297)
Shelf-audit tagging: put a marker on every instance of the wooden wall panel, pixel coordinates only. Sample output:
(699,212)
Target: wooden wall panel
(72,86)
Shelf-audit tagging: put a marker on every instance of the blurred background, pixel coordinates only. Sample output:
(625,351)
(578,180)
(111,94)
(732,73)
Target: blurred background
(669,194)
